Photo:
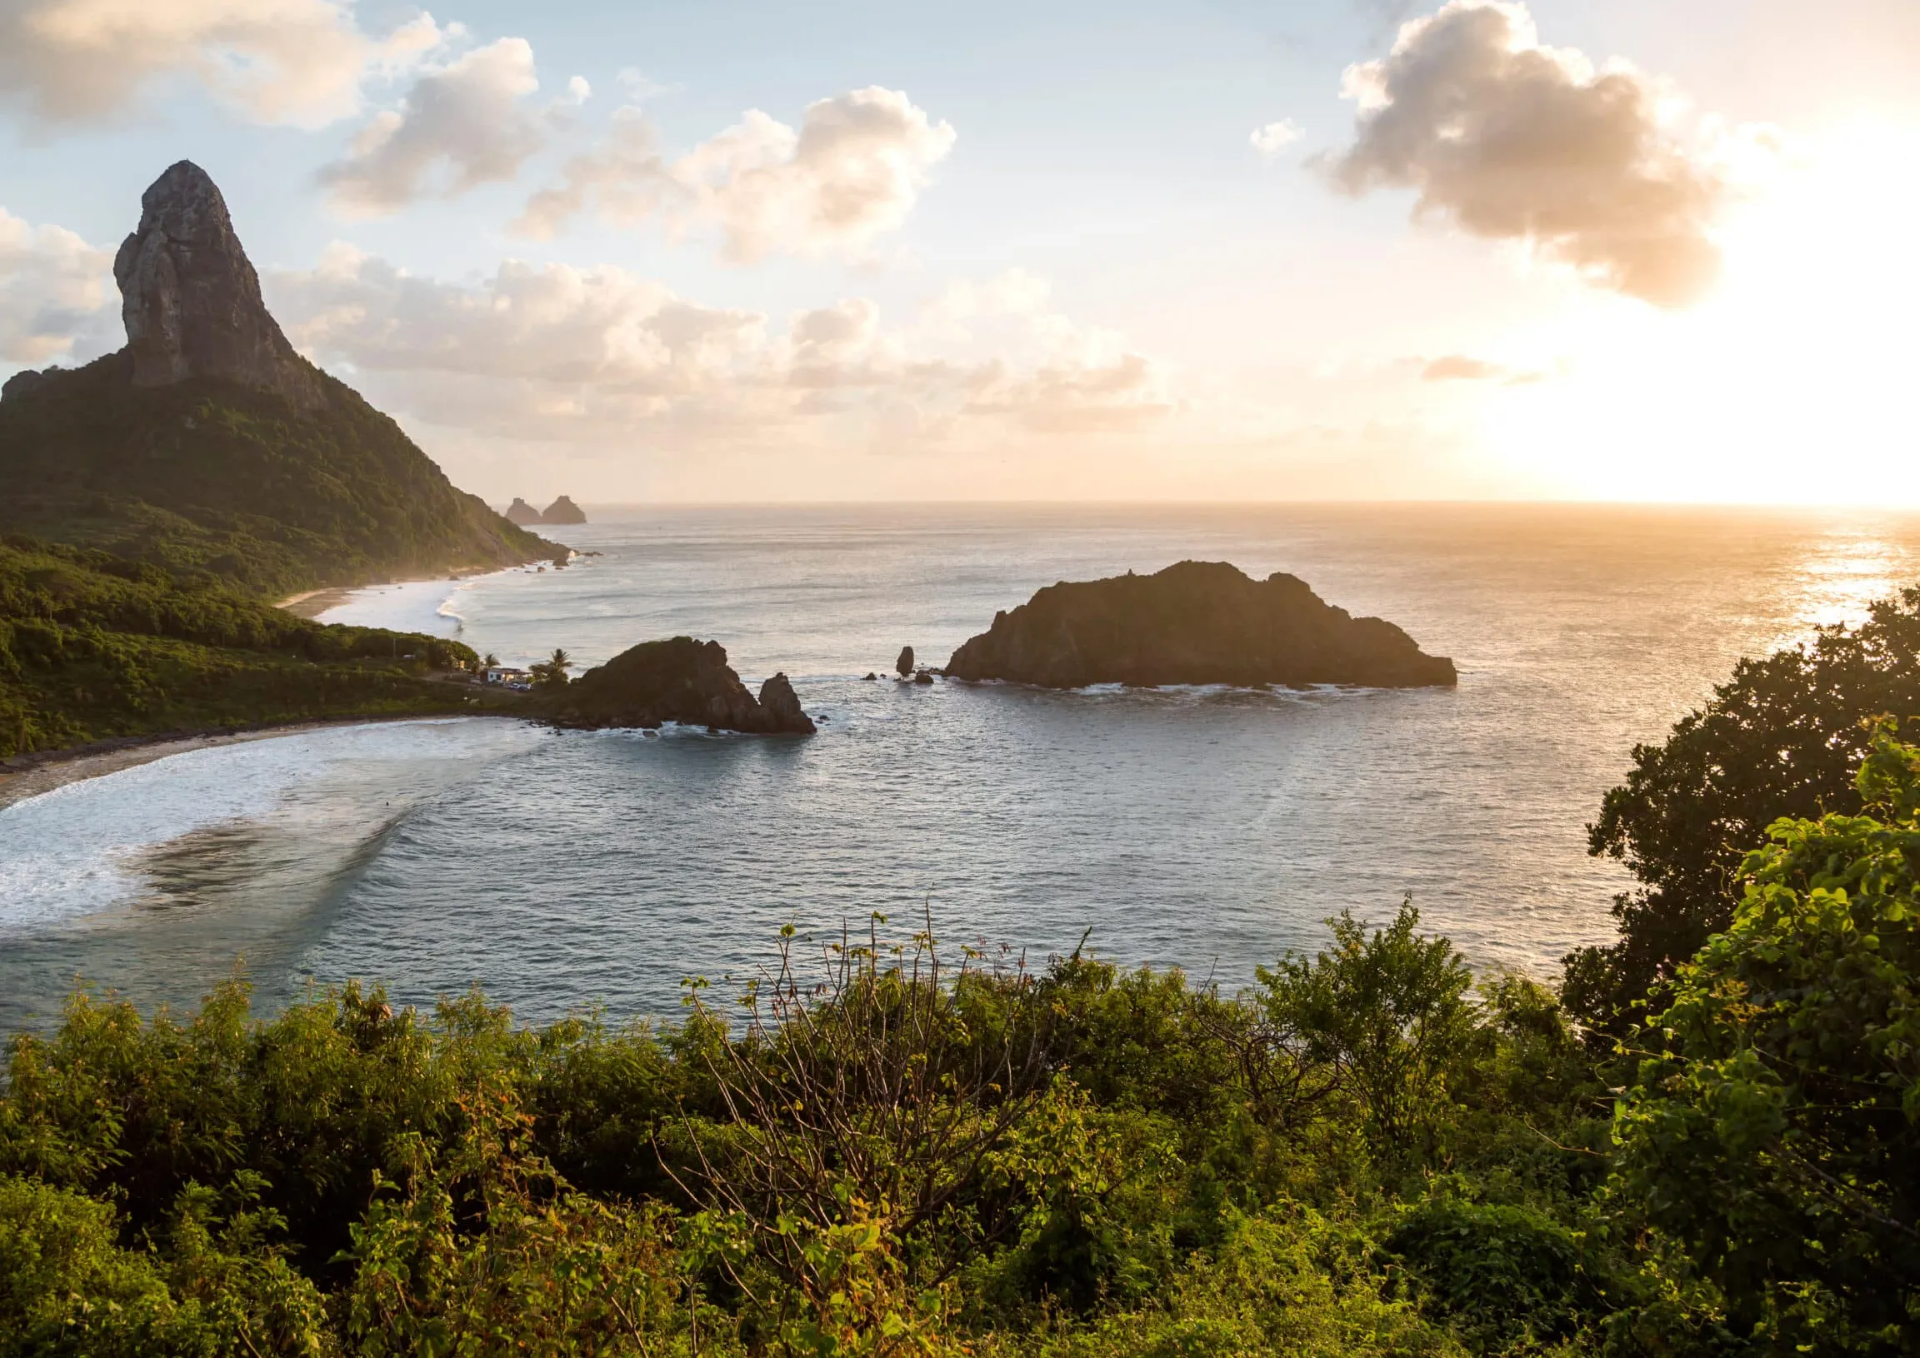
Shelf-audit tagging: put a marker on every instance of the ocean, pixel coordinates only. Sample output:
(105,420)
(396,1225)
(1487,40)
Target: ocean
(1210,829)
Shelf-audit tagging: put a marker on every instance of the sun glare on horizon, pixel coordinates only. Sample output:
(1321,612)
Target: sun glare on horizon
(1791,383)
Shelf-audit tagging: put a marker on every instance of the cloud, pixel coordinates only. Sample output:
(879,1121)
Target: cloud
(557,353)
(852,172)
(273,61)
(53,294)
(626,175)
(1464,368)
(1460,368)
(1514,141)
(463,124)
(1274,138)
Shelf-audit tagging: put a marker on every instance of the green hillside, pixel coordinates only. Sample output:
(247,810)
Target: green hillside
(215,477)
(94,646)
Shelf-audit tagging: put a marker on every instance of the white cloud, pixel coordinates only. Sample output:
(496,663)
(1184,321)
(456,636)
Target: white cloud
(464,123)
(1274,138)
(1466,368)
(625,174)
(274,61)
(556,353)
(1512,140)
(1462,368)
(853,171)
(53,293)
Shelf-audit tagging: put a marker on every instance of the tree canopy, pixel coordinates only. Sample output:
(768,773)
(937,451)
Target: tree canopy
(1783,737)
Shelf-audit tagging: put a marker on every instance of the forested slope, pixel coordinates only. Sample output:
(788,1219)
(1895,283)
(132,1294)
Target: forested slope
(94,646)
(211,475)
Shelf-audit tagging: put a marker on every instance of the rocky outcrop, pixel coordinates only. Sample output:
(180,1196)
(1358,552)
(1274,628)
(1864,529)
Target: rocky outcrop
(1198,622)
(563,510)
(191,300)
(27,381)
(782,706)
(522,513)
(681,680)
(904,665)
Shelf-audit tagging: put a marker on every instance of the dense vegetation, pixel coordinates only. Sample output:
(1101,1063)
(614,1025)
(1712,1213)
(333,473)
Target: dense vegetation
(213,477)
(1783,737)
(94,645)
(1364,1154)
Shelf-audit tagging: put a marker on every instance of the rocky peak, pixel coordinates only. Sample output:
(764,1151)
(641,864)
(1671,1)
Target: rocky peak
(191,300)
(522,513)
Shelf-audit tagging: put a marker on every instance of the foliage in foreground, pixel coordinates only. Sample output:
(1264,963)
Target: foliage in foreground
(1782,737)
(95,646)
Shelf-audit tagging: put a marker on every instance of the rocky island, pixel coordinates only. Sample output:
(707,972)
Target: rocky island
(678,680)
(1198,622)
(562,511)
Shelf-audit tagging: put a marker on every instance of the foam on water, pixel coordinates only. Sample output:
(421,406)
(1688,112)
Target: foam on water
(271,820)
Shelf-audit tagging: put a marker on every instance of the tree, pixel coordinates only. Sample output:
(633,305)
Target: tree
(1781,738)
(552,672)
(1388,1013)
(1775,1127)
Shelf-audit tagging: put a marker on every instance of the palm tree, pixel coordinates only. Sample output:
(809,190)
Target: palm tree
(560,661)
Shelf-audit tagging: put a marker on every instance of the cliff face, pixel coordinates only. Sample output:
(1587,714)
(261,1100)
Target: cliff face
(1197,622)
(191,300)
(681,680)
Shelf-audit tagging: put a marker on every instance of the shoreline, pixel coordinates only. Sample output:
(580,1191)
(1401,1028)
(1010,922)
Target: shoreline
(30,775)
(310,604)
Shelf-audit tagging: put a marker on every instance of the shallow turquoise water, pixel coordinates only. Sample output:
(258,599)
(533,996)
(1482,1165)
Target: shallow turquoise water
(1206,828)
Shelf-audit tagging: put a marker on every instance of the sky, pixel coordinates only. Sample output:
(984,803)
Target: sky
(1217,250)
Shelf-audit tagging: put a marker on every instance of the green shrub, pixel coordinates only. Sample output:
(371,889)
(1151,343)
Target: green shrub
(1774,1129)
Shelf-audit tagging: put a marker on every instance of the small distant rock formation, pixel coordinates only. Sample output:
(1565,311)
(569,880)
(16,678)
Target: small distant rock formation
(563,510)
(191,300)
(679,680)
(522,513)
(782,705)
(904,665)
(1198,622)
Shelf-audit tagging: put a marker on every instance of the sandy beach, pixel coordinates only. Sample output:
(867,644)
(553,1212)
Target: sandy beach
(58,768)
(312,603)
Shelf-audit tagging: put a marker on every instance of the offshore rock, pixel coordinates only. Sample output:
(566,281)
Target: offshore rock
(904,665)
(680,680)
(563,510)
(1198,622)
(782,705)
(191,300)
(522,513)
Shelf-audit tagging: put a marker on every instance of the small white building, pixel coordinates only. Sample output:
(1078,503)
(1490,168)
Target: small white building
(508,675)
